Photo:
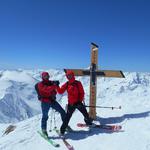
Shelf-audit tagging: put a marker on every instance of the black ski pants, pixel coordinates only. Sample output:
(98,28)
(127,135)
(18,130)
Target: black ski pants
(70,110)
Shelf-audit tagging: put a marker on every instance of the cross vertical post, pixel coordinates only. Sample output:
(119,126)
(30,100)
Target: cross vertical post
(93,80)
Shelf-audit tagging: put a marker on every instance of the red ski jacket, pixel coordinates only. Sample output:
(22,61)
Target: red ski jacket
(46,91)
(75,91)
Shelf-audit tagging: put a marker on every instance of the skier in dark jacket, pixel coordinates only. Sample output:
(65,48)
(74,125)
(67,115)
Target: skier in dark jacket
(75,92)
(46,90)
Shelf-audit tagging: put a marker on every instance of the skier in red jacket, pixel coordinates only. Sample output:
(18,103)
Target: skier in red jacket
(46,90)
(75,92)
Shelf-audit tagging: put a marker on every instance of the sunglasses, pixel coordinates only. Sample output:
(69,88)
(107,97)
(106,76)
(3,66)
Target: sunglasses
(46,77)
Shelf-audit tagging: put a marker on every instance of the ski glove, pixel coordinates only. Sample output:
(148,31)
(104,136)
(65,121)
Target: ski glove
(56,83)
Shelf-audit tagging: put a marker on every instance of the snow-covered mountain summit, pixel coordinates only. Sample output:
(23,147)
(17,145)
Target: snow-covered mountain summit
(18,99)
(18,102)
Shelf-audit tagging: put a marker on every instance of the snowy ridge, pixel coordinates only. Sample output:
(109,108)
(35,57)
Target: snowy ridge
(18,102)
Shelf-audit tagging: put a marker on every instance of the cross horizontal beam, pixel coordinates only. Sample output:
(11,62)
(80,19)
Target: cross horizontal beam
(98,73)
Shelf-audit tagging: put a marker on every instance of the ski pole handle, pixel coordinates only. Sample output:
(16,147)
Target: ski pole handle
(116,107)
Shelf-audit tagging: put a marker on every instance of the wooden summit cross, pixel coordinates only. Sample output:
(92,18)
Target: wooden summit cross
(93,72)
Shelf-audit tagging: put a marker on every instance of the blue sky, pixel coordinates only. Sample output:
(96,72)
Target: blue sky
(58,33)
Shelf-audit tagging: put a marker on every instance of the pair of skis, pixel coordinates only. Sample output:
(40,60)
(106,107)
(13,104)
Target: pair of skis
(53,143)
(111,128)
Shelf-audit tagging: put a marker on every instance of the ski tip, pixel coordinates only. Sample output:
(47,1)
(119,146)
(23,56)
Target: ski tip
(71,148)
(117,128)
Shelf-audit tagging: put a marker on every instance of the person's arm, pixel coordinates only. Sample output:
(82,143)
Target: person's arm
(81,91)
(62,89)
(46,91)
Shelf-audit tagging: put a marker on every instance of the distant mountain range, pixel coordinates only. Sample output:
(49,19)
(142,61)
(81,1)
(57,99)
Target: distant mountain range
(18,99)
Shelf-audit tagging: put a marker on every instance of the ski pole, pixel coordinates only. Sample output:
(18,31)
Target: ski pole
(54,121)
(105,107)
(51,121)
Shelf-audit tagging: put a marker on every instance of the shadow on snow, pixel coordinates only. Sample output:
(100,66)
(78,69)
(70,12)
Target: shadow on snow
(78,135)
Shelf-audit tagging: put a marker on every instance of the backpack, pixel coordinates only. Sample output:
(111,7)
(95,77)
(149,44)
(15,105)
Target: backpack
(37,91)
